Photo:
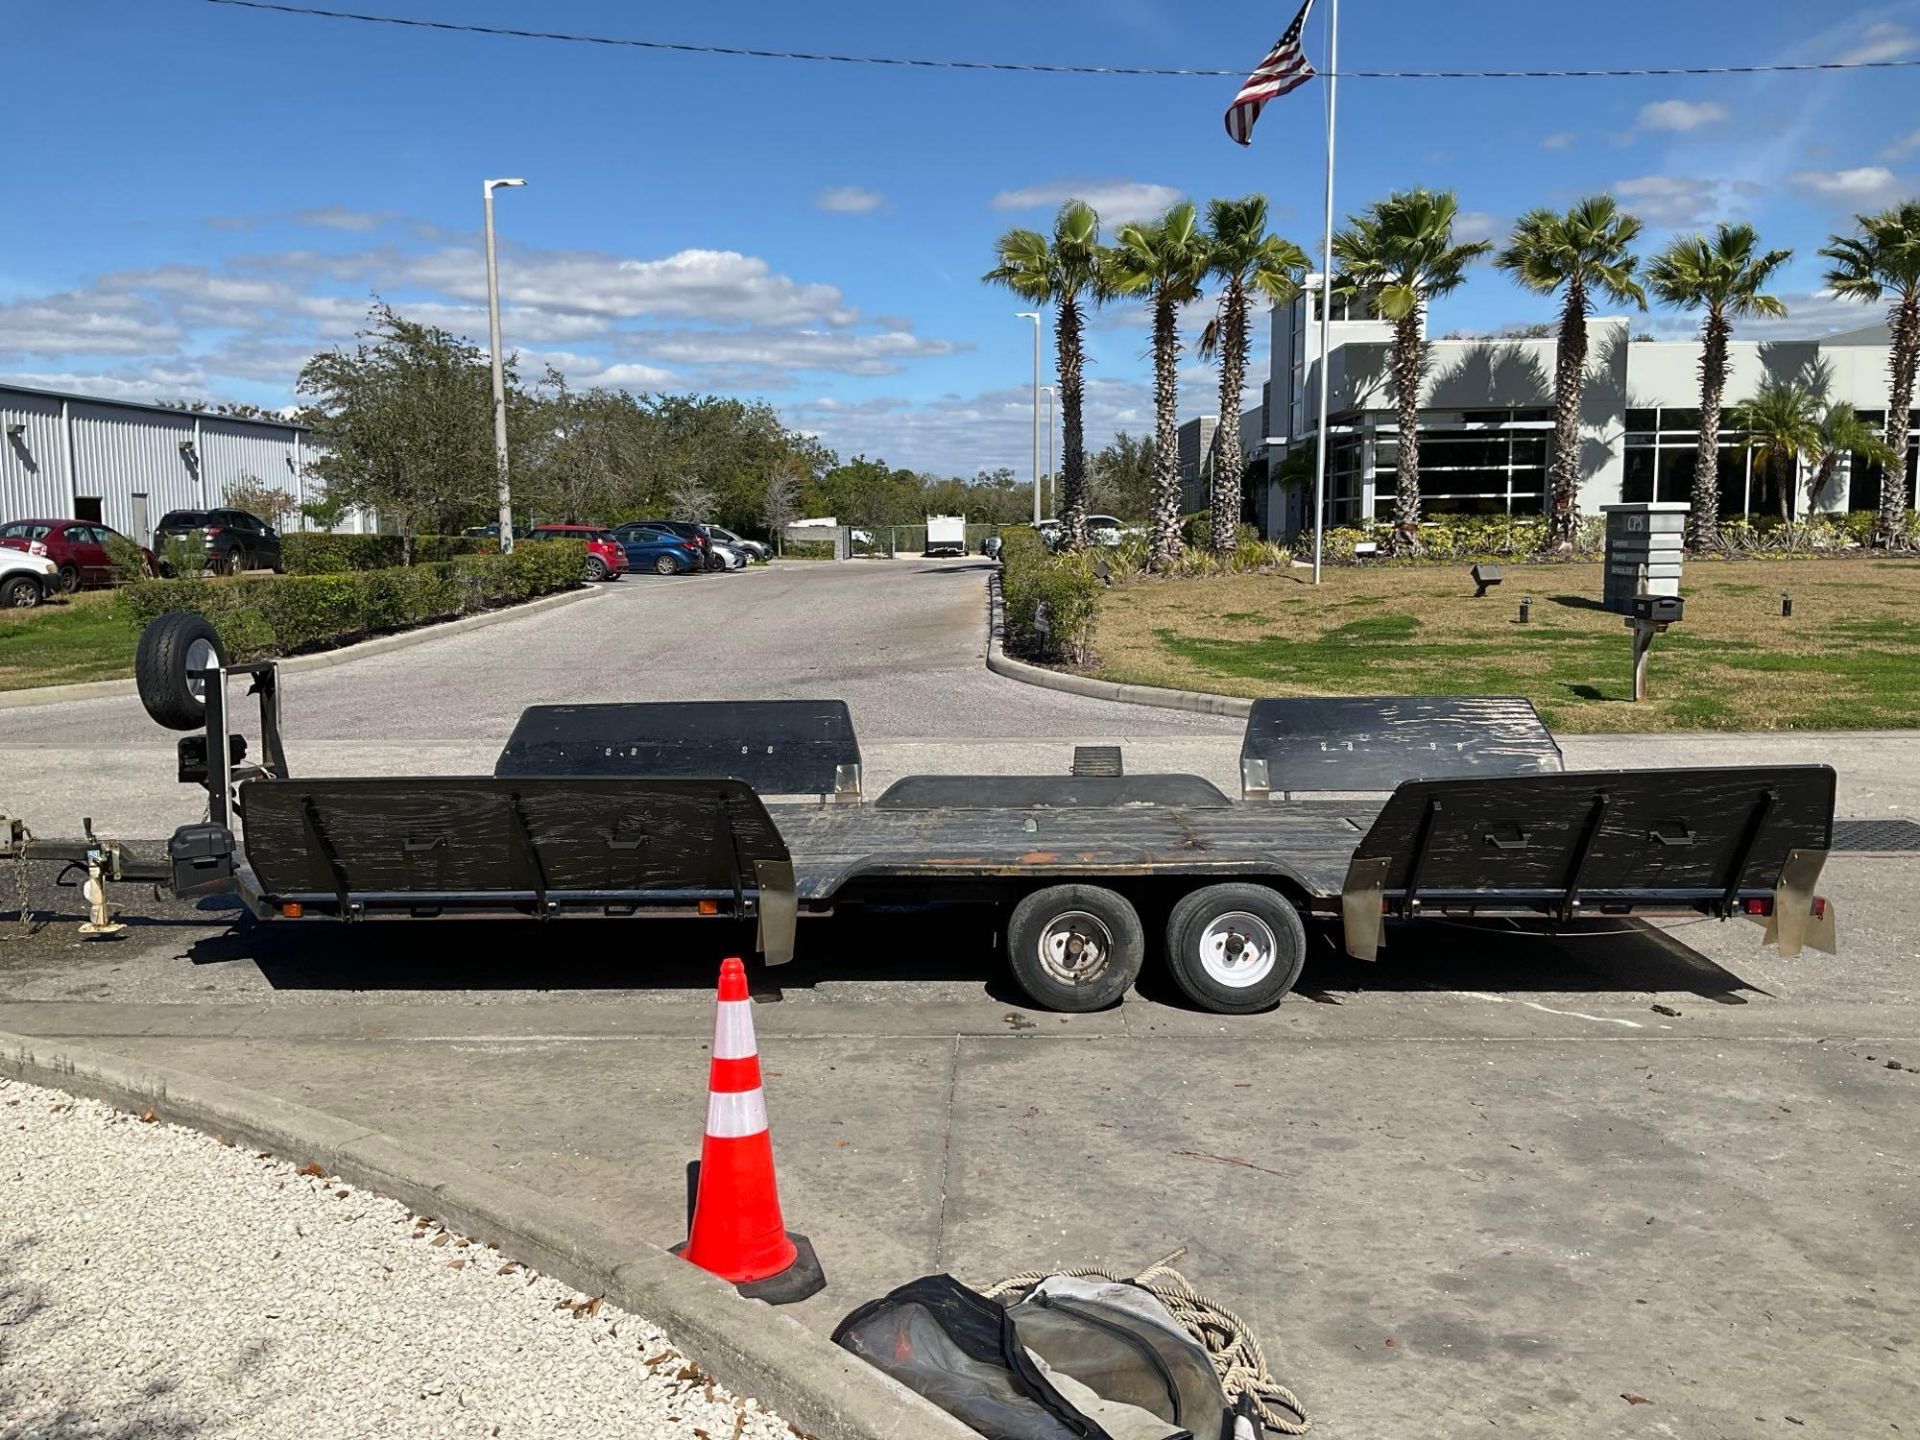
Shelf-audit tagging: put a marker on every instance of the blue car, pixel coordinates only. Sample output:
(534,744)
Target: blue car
(649,547)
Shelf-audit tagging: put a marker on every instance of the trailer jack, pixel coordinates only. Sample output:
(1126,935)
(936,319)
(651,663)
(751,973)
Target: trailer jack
(104,861)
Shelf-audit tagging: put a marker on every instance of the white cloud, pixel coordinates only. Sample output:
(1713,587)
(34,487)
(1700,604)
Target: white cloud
(1681,115)
(1901,147)
(1863,185)
(1117,201)
(1677,200)
(849,200)
(144,384)
(1471,225)
(769,352)
(1880,42)
(1559,140)
(86,323)
(338,217)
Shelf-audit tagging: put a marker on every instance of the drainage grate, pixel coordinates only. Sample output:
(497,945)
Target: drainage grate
(1097,760)
(1875,837)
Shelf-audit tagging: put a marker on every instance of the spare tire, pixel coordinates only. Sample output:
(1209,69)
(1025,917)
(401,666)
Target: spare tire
(172,645)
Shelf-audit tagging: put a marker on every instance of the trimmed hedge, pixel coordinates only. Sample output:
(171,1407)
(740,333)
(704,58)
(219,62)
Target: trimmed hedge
(1050,600)
(318,552)
(259,616)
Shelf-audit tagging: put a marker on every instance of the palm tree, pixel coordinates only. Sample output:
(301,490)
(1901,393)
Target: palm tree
(1249,263)
(1782,426)
(1061,272)
(1166,260)
(1842,432)
(1585,253)
(1722,277)
(1883,260)
(1400,253)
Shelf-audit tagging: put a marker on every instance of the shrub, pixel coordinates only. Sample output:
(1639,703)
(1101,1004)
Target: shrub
(126,559)
(1050,600)
(323,553)
(278,615)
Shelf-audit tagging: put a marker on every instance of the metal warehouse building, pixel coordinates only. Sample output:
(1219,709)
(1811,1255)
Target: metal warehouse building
(127,464)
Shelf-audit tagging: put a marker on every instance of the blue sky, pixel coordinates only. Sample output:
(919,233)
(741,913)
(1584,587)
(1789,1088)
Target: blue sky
(201,196)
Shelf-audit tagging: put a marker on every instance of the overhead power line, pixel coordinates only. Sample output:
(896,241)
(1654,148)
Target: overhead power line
(1034,68)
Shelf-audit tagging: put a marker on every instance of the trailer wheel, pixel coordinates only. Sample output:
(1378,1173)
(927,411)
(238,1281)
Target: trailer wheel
(1234,949)
(173,644)
(1075,947)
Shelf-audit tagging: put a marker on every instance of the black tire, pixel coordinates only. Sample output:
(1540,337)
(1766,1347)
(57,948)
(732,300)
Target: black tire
(597,568)
(170,641)
(665,565)
(1235,920)
(1041,940)
(68,580)
(233,562)
(20,592)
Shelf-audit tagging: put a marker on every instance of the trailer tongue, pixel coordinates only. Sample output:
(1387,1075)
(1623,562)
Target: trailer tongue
(1353,812)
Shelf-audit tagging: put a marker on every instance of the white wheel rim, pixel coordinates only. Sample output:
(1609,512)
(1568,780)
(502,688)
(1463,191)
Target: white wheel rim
(1076,947)
(200,656)
(1238,950)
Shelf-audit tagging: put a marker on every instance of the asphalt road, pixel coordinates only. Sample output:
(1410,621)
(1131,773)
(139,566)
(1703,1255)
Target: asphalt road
(903,642)
(1496,1182)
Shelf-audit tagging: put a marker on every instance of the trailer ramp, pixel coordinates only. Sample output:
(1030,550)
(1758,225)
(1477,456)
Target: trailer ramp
(1361,743)
(1569,846)
(531,846)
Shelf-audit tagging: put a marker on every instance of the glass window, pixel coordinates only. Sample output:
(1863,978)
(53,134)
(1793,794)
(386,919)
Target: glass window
(1643,420)
(1636,486)
(1684,421)
(1676,475)
(13,532)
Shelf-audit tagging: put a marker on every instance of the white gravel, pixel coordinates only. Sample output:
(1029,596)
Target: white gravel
(155,1283)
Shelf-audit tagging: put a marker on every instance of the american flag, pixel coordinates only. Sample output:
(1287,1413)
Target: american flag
(1284,69)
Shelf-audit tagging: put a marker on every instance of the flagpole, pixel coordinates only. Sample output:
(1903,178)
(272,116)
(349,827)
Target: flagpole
(1326,292)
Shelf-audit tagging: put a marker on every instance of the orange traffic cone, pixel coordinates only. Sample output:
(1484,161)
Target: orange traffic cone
(736,1231)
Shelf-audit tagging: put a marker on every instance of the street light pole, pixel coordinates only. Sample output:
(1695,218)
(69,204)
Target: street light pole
(499,371)
(1053,479)
(1034,315)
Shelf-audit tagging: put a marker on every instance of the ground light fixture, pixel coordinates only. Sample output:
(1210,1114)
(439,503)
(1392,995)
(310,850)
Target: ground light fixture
(487,187)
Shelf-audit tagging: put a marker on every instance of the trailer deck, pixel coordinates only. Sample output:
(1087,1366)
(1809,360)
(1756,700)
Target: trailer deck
(1351,811)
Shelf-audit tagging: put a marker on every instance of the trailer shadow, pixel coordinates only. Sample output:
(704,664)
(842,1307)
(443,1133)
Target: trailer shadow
(911,944)
(1597,957)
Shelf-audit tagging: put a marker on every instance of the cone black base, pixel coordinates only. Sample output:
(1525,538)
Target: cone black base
(802,1278)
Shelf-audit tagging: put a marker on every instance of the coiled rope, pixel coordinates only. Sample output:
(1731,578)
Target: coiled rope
(1228,1340)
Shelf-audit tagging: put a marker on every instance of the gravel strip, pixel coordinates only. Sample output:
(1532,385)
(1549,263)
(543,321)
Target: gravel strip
(156,1283)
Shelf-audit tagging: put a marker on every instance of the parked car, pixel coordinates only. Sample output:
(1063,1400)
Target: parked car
(755,549)
(654,547)
(722,556)
(26,579)
(606,556)
(688,530)
(233,539)
(78,549)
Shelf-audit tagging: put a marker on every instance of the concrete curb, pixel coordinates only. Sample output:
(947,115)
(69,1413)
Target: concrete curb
(1001,663)
(753,1348)
(319,659)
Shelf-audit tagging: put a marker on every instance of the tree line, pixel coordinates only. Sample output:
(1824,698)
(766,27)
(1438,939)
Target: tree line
(1401,255)
(403,427)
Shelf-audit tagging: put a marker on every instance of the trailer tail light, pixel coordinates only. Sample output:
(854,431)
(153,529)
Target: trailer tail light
(1819,907)
(1765,907)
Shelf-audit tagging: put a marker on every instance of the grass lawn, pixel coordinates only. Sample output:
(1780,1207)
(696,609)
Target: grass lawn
(1849,658)
(84,637)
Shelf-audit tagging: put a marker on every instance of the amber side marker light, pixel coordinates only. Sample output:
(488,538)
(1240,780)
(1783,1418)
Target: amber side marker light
(293,910)
(709,907)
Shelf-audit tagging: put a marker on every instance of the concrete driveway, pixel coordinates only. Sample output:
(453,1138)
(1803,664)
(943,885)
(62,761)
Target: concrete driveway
(1493,1183)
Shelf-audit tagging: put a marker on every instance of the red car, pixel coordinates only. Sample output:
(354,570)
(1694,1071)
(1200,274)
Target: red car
(606,557)
(78,547)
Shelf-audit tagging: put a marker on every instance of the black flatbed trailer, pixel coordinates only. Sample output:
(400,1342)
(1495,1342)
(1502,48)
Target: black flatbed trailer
(1352,811)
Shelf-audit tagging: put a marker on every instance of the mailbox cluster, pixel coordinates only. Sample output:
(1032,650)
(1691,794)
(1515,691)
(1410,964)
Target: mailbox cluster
(1644,547)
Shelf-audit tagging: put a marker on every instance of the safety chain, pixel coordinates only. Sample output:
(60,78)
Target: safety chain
(1229,1341)
(20,888)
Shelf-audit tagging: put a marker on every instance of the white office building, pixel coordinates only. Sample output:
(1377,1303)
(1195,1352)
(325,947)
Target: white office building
(1486,418)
